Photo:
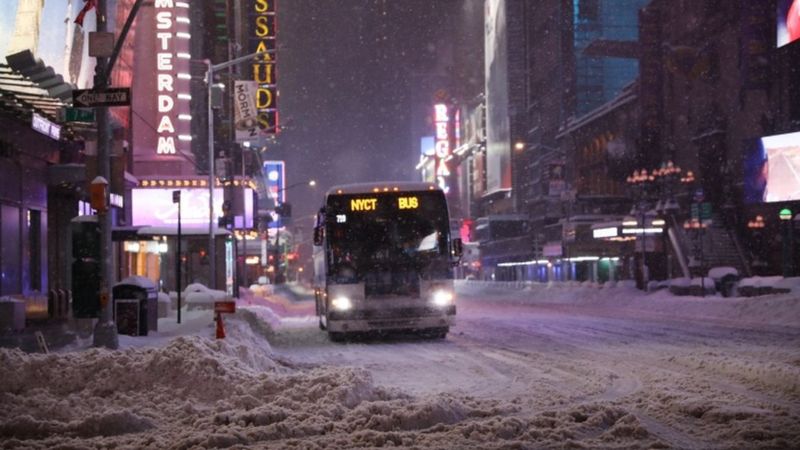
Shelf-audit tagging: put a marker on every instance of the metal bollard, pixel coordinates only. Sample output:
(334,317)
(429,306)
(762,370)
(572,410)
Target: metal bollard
(52,303)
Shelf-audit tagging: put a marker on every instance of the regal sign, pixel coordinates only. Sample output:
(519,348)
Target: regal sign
(442,145)
(263,39)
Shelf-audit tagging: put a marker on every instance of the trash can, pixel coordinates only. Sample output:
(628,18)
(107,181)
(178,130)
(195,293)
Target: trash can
(728,285)
(135,306)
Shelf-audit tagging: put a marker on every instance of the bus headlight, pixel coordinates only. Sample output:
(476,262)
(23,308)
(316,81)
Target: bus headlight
(341,303)
(442,298)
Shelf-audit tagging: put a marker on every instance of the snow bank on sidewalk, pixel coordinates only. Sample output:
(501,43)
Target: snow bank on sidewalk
(776,310)
(198,392)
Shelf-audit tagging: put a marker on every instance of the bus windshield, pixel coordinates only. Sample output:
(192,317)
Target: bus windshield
(387,240)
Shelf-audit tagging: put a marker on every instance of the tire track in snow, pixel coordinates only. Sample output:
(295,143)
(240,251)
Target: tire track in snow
(639,353)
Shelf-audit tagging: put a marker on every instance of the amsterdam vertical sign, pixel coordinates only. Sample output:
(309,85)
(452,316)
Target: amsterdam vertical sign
(165,79)
(263,39)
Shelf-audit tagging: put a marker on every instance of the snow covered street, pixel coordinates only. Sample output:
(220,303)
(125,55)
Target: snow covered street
(566,366)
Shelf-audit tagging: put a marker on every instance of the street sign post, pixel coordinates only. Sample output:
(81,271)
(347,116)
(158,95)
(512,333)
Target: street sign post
(220,307)
(225,306)
(176,198)
(78,115)
(101,44)
(88,98)
(705,211)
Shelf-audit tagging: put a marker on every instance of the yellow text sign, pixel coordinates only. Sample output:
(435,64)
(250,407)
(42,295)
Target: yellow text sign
(363,204)
(407,203)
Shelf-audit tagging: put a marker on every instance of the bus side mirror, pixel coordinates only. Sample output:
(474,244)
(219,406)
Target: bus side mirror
(318,235)
(458,247)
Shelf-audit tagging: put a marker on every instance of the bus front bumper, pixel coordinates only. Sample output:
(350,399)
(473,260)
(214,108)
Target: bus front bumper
(391,319)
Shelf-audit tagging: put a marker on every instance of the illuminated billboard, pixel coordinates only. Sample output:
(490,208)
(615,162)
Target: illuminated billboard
(498,131)
(772,169)
(427,146)
(275,179)
(788,26)
(154,207)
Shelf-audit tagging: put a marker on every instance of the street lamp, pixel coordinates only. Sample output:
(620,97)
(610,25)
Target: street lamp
(756,227)
(309,183)
(212,68)
(638,182)
(785,215)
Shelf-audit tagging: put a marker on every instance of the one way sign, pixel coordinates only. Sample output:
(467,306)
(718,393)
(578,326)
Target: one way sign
(87,98)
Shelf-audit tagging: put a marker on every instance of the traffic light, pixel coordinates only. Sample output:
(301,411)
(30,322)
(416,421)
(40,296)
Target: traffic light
(284,209)
(86,288)
(86,240)
(86,269)
(264,221)
(225,221)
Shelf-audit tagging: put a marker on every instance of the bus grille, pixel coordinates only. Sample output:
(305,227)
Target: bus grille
(392,283)
(391,313)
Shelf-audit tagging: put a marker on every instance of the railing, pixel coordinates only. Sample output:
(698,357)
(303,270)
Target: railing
(740,251)
(677,238)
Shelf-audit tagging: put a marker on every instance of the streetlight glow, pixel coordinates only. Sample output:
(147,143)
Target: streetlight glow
(211,69)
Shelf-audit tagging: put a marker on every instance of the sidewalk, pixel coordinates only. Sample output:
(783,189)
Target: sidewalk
(296,292)
(56,335)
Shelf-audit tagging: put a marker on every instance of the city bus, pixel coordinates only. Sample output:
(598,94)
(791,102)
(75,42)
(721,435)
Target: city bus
(384,260)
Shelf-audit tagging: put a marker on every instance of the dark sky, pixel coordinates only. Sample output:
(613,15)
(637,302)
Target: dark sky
(347,71)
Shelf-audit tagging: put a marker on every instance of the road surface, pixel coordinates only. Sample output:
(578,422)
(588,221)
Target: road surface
(683,383)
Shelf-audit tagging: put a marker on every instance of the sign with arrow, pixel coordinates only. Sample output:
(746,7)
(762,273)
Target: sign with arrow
(87,98)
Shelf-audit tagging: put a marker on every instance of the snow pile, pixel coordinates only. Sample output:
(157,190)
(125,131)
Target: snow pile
(717,273)
(627,301)
(188,366)
(200,392)
(761,281)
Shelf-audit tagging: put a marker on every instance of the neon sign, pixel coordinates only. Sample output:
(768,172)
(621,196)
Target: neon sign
(165,80)
(442,145)
(264,74)
(274,178)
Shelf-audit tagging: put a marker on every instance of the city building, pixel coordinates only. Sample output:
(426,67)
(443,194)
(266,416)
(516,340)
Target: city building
(550,103)
(504,238)
(552,67)
(606,35)
(716,83)
(33,147)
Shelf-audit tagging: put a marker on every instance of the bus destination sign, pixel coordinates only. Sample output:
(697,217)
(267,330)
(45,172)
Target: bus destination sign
(371,203)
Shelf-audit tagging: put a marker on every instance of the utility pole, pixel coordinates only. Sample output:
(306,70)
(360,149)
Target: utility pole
(176,197)
(211,70)
(105,332)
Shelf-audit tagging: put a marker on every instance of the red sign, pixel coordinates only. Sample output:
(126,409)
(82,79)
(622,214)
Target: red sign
(227,306)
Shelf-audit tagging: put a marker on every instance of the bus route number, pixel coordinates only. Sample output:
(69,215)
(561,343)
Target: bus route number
(363,204)
(408,203)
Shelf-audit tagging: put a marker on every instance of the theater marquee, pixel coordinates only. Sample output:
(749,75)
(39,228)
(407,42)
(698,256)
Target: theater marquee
(263,39)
